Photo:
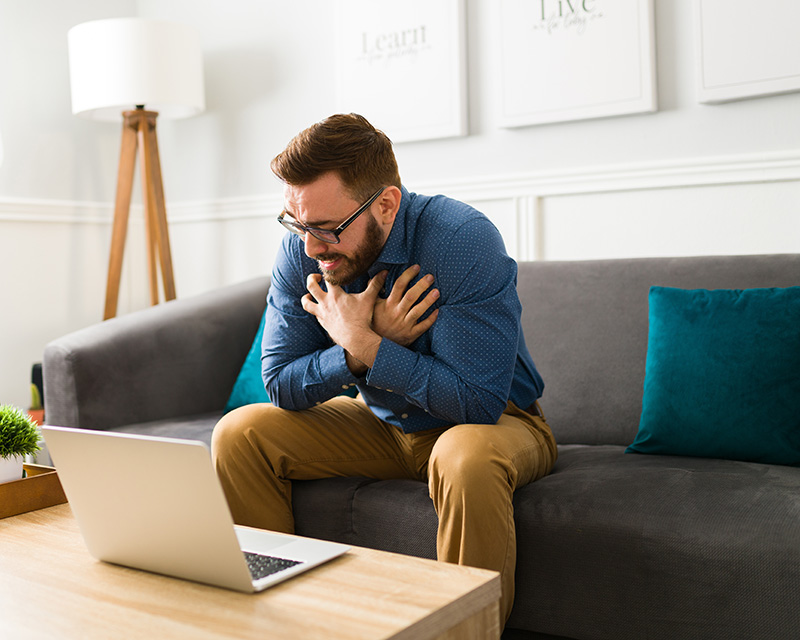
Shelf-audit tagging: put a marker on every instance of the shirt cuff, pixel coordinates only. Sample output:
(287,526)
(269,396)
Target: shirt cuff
(392,368)
(334,370)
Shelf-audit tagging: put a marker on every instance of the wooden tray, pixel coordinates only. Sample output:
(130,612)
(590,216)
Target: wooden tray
(41,488)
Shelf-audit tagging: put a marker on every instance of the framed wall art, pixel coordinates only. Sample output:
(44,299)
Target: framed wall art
(743,51)
(562,60)
(402,66)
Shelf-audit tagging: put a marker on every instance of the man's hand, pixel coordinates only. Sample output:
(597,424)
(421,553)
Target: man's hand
(347,317)
(397,318)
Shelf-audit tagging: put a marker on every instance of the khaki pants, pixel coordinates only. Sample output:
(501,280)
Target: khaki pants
(472,470)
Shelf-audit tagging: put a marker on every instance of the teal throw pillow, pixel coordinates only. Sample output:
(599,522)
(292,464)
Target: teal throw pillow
(249,386)
(722,376)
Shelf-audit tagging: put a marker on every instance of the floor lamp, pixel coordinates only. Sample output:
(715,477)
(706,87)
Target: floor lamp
(137,69)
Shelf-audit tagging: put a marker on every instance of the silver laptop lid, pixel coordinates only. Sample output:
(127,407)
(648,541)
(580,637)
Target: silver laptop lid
(149,503)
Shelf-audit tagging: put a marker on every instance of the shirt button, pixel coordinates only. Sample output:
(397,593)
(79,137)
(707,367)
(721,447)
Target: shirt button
(345,386)
(404,416)
(389,391)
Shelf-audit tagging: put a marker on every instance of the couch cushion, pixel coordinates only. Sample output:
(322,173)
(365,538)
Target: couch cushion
(723,375)
(658,547)
(390,515)
(194,427)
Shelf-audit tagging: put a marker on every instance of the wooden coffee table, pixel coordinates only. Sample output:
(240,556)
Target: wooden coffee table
(50,587)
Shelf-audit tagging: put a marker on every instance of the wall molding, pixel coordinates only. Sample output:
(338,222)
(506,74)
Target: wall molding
(37,211)
(524,189)
(664,174)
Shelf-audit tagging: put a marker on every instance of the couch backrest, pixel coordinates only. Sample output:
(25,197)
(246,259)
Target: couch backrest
(586,325)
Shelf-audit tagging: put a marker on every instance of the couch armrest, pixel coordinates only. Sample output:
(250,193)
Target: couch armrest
(174,359)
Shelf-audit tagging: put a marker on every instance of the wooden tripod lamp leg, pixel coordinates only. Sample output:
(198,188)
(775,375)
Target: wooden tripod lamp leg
(156,206)
(127,163)
(151,230)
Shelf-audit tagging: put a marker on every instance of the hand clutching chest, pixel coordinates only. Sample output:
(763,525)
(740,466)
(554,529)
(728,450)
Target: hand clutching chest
(358,321)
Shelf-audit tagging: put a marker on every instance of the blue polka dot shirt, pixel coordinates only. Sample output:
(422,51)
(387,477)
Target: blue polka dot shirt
(464,369)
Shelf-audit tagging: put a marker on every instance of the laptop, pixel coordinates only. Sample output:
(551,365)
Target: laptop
(156,504)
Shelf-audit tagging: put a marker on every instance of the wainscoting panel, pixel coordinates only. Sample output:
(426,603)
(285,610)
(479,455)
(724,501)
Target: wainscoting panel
(714,206)
(708,220)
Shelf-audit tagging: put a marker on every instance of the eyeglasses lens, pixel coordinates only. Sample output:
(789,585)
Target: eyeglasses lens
(320,234)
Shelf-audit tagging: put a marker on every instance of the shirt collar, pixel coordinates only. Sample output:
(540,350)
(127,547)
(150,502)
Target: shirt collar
(395,251)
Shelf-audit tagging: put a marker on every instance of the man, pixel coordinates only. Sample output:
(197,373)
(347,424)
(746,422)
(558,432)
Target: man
(412,300)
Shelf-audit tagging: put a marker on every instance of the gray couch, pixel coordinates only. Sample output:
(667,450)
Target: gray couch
(611,545)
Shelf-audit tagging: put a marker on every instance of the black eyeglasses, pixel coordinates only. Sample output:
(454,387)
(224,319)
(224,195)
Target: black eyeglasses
(331,236)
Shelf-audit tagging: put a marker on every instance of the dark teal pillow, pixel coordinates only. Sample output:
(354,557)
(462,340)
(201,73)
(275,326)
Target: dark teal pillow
(249,386)
(722,376)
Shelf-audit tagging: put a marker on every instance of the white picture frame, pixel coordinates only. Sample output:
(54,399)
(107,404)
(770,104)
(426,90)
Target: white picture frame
(563,60)
(742,51)
(402,65)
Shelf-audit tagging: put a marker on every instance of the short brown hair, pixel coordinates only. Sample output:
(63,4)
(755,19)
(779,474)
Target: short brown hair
(346,144)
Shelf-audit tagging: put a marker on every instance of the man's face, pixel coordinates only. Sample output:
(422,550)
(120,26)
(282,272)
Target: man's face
(325,203)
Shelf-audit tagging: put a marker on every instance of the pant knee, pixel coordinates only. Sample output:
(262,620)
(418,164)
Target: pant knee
(234,429)
(459,457)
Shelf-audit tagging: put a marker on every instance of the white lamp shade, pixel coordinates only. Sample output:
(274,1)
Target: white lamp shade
(117,64)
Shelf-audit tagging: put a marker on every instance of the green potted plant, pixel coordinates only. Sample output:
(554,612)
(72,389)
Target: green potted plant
(18,437)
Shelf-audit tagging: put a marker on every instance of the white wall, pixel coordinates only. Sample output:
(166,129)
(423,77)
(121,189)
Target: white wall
(688,179)
(56,185)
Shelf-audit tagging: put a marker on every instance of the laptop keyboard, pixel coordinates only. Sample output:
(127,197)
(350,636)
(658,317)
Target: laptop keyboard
(262,566)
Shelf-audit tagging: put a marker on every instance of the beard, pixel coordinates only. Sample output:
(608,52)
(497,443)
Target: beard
(351,267)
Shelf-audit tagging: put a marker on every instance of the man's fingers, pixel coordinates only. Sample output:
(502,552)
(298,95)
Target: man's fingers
(406,299)
(415,292)
(309,304)
(419,309)
(376,284)
(312,284)
(399,287)
(413,295)
(427,323)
